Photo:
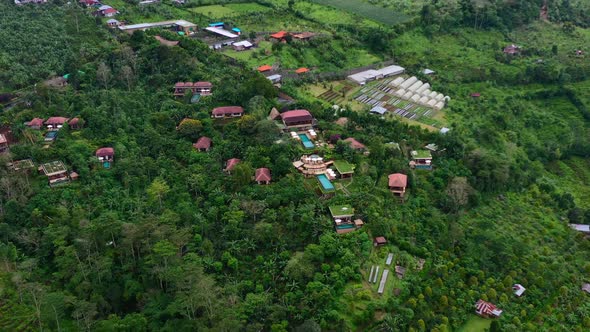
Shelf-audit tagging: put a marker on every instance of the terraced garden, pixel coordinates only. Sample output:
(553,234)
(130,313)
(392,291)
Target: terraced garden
(381,94)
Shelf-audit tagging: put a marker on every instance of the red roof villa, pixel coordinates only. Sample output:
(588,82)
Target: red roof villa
(230,164)
(398,183)
(75,123)
(55,123)
(379,241)
(262,176)
(3,143)
(299,119)
(203,88)
(227,112)
(486,309)
(512,49)
(203,144)
(105,154)
(36,123)
(356,145)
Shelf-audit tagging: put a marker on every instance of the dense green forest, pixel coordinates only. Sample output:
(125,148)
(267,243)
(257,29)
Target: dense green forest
(165,240)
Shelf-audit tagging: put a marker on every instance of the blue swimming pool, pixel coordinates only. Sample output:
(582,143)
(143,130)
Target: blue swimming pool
(306,141)
(326,184)
(345,226)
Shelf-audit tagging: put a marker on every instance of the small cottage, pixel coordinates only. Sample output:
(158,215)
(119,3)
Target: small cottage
(203,144)
(379,241)
(262,176)
(230,164)
(227,112)
(398,183)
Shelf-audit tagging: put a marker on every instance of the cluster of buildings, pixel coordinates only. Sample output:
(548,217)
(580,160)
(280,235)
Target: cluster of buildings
(418,92)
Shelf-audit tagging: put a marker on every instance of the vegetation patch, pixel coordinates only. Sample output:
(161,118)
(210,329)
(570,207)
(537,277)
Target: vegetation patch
(363,9)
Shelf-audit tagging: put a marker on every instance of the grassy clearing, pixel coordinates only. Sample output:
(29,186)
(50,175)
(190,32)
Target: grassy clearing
(331,15)
(230,10)
(372,12)
(476,324)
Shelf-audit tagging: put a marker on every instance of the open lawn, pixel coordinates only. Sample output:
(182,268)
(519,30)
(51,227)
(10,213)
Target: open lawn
(230,10)
(330,15)
(476,324)
(367,10)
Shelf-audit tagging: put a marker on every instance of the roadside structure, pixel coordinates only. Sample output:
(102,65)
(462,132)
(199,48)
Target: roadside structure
(183,26)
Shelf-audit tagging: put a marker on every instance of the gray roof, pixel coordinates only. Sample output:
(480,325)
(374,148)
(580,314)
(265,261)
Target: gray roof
(378,110)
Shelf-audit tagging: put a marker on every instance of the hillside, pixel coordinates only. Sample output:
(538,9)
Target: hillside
(166,179)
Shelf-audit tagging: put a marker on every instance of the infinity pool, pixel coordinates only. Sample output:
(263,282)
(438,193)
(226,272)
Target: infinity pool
(306,141)
(326,184)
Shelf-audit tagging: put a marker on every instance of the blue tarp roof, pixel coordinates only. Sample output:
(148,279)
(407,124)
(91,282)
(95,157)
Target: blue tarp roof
(236,30)
(216,24)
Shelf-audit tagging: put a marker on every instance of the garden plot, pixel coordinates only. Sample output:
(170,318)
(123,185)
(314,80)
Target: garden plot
(382,93)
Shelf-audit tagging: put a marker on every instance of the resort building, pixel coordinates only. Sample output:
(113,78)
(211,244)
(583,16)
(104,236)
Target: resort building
(203,144)
(106,156)
(312,165)
(379,241)
(203,88)
(421,159)
(262,176)
(230,164)
(345,169)
(397,184)
(298,119)
(75,123)
(227,112)
(487,310)
(3,143)
(343,219)
(56,173)
(55,123)
(36,124)
(512,49)
(356,145)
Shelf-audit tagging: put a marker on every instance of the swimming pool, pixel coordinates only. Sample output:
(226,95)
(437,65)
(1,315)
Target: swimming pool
(345,226)
(326,184)
(306,141)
